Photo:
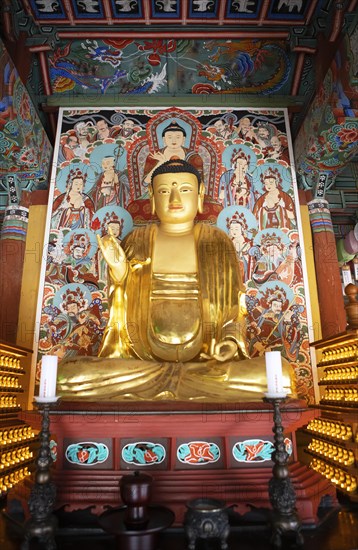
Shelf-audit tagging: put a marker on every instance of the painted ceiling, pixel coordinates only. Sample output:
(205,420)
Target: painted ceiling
(244,53)
(90,50)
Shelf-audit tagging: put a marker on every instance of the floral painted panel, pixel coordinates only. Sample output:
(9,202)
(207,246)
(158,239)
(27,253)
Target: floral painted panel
(136,453)
(102,168)
(198,452)
(257,450)
(86,453)
(143,453)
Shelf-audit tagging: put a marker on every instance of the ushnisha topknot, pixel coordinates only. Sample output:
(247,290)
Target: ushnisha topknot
(174,127)
(176,166)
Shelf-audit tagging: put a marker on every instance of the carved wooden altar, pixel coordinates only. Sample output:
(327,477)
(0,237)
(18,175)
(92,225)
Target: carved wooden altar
(191,450)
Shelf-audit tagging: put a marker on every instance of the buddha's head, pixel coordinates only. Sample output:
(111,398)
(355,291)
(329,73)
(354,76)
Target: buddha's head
(174,136)
(176,192)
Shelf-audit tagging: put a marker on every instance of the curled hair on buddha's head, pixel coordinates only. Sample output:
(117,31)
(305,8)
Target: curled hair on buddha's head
(176,166)
(174,127)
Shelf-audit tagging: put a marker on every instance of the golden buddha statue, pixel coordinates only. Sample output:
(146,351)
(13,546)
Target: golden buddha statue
(176,327)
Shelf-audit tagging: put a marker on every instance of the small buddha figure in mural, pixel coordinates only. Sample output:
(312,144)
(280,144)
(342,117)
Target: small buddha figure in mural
(177,327)
(173,138)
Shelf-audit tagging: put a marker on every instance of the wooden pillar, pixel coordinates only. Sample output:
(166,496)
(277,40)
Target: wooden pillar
(331,302)
(12,250)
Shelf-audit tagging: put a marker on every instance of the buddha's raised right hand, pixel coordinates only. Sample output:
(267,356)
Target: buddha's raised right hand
(114,256)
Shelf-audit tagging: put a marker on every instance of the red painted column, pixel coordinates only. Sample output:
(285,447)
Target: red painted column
(12,250)
(12,254)
(331,301)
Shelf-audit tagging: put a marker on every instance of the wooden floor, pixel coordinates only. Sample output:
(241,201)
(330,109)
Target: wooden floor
(339,531)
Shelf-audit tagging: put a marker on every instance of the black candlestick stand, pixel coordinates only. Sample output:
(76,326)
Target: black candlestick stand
(281,492)
(42,523)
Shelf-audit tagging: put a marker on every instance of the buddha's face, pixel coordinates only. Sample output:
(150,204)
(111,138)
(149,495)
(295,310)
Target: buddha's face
(174,140)
(176,197)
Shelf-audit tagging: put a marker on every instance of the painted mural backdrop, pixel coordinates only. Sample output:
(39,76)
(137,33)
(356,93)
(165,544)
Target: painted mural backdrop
(24,147)
(104,160)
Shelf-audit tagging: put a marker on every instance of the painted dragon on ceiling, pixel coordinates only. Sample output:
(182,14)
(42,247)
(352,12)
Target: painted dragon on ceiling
(142,66)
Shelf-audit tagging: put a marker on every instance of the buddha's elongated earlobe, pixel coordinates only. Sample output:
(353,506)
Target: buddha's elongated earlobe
(151,199)
(201,198)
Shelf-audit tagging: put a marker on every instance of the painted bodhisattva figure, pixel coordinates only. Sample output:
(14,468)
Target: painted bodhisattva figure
(176,327)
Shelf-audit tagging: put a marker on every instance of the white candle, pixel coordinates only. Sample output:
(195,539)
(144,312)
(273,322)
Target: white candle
(48,377)
(274,374)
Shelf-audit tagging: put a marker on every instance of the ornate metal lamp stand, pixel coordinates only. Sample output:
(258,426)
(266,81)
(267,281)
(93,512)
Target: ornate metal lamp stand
(281,492)
(42,523)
